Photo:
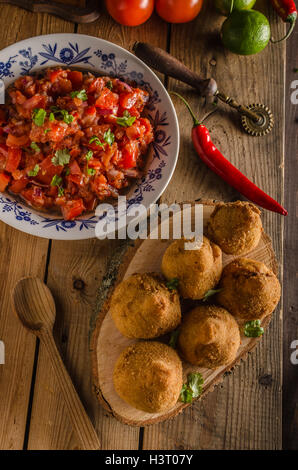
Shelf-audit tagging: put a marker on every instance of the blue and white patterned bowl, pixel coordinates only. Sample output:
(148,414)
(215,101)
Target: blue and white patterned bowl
(90,53)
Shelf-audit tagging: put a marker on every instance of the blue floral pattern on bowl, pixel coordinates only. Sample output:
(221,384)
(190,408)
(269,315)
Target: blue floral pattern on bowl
(99,56)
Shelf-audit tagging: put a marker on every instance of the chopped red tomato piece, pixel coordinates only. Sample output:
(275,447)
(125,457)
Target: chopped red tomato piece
(55,74)
(129,155)
(13,159)
(76,78)
(107,99)
(74,168)
(47,170)
(4,180)
(72,209)
(128,100)
(90,110)
(36,101)
(18,185)
(14,141)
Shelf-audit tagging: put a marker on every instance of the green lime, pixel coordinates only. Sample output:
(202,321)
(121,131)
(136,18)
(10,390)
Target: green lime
(224,6)
(245,32)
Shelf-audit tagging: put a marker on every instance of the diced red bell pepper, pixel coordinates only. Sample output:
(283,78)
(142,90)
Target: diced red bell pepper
(76,78)
(14,141)
(72,209)
(13,159)
(48,170)
(4,180)
(34,195)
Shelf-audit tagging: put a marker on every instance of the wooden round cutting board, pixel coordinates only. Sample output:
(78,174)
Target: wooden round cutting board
(107,342)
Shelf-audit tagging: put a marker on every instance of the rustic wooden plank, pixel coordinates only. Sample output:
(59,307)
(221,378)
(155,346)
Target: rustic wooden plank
(245,412)
(290,370)
(75,272)
(20,255)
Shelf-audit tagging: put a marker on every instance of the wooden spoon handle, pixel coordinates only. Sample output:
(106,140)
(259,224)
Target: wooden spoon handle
(80,420)
(67,12)
(160,60)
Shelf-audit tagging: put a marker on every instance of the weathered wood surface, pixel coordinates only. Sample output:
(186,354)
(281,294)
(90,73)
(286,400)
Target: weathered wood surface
(290,370)
(245,412)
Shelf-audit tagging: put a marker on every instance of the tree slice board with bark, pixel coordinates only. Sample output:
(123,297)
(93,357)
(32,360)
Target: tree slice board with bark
(107,342)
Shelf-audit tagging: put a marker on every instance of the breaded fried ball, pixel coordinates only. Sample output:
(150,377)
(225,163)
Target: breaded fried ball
(197,270)
(143,307)
(235,226)
(250,291)
(209,337)
(148,376)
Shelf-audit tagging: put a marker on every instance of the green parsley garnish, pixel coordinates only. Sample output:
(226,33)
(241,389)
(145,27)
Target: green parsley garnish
(173,284)
(51,117)
(82,95)
(67,171)
(210,293)
(126,120)
(57,181)
(89,155)
(35,147)
(68,118)
(39,116)
(96,140)
(46,131)
(109,137)
(60,191)
(109,85)
(193,388)
(34,172)
(91,171)
(61,157)
(253,329)
(174,338)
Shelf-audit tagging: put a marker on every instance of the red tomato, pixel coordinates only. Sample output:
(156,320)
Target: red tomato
(128,100)
(72,209)
(76,78)
(47,170)
(107,100)
(130,12)
(13,141)
(178,11)
(129,155)
(18,185)
(13,159)
(4,180)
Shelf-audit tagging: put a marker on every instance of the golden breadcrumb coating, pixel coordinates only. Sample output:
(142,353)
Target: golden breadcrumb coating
(235,226)
(250,290)
(143,307)
(209,337)
(197,270)
(148,376)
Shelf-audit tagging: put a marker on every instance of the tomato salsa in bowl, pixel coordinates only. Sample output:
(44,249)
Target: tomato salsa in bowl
(69,139)
(63,155)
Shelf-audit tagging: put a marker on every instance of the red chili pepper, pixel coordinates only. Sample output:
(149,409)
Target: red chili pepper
(214,159)
(287,10)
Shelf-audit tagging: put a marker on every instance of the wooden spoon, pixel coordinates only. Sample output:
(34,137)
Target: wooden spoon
(35,307)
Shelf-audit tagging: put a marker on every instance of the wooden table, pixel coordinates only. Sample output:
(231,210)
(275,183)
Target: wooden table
(245,412)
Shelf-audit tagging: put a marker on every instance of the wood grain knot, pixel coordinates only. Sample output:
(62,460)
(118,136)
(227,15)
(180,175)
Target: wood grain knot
(266,380)
(78,284)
